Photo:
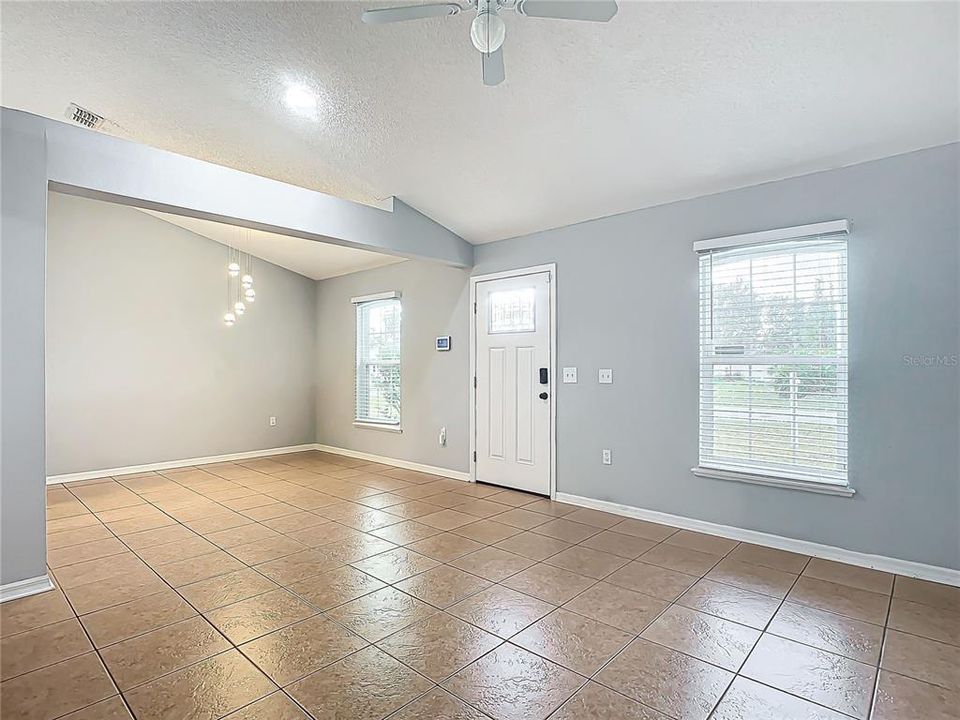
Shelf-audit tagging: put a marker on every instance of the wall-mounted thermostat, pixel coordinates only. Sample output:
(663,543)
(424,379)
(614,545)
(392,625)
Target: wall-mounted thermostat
(443,343)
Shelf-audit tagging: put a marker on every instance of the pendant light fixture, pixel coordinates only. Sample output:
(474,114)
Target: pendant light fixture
(240,291)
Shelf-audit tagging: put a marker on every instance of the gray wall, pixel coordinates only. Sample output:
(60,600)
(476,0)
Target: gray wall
(627,299)
(23,202)
(434,385)
(140,367)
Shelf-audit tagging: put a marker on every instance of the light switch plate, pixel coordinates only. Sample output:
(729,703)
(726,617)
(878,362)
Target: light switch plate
(606,376)
(569,374)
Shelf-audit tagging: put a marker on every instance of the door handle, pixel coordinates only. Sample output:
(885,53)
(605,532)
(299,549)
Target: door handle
(543,396)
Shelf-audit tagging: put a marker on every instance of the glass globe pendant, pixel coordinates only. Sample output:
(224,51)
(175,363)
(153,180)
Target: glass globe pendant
(239,307)
(250,295)
(246,281)
(229,319)
(233,269)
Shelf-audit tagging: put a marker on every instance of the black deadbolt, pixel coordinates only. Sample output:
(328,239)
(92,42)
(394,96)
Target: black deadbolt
(543,396)
(543,377)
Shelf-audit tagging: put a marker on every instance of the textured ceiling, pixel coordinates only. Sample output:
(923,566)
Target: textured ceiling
(313,259)
(669,100)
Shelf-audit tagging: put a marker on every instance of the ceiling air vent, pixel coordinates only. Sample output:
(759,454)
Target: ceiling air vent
(84,117)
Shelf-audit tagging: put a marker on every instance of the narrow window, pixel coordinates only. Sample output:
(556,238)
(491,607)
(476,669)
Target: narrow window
(378,360)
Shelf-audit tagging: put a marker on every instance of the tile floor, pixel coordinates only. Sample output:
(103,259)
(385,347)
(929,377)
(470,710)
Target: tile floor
(312,585)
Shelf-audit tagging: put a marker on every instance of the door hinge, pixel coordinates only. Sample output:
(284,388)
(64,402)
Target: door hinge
(549,275)
(474,308)
(474,455)
(474,381)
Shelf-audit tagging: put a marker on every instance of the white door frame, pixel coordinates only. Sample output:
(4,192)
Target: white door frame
(552,386)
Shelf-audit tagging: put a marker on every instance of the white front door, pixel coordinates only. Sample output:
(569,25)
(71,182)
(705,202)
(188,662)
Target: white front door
(513,382)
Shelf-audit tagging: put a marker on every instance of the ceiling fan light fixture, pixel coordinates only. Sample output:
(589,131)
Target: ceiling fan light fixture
(487,32)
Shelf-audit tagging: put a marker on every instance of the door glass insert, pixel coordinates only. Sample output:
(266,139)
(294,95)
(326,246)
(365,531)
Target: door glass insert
(512,311)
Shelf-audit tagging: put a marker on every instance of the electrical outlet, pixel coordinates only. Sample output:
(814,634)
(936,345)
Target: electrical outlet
(273,421)
(607,457)
(605,376)
(442,437)
(569,374)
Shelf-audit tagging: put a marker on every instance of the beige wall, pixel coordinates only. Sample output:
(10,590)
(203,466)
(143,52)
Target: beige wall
(139,365)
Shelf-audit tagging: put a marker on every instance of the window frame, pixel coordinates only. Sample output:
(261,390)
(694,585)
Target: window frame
(765,471)
(363,304)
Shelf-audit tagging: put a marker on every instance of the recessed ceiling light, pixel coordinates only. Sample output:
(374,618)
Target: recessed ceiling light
(300,99)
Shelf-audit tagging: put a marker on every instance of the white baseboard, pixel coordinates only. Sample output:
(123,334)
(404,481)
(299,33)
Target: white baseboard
(24,588)
(405,464)
(151,467)
(909,568)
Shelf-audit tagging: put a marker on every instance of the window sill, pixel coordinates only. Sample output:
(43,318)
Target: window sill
(377,426)
(823,488)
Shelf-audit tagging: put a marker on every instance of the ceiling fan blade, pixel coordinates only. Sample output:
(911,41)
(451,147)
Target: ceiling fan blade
(592,10)
(410,12)
(493,73)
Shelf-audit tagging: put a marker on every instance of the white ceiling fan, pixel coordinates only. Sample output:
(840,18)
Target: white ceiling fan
(487,30)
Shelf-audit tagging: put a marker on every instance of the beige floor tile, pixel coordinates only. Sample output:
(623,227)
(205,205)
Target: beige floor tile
(248,619)
(576,642)
(241,535)
(533,546)
(755,578)
(27,613)
(395,565)
(749,700)
(136,617)
(68,538)
(180,550)
(335,587)
(74,554)
(356,547)
(445,547)
(840,599)
(184,572)
(596,702)
(103,568)
(588,562)
(262,551)
(652,580)
(492,563)
(855,639)
(158,536)
(226,589)
(381,613)
(730,603)
(443,586)
(218,522)
(702,542)
(438,646)
(820,677)
(367,685)
(521,518)
(405,532)
(57,689)
(597,518)
(104,593)
(42,646)
(298,650)
(158,652)
(903,698)
(922,659)
(446,519)
(130,526)
(74,522)
(705,637)
(487,531)
(500,610)
(320,535)
(550,507)
(481,508)
(567,530)
(924,592)
(675,684)
(436,705)
(925,620)
(266,512)
(110,709)
(510,683)
(770,557)
(628,546)
(411,509)
(514,498)
(548,583)
(273,707)
(681,559)
(622,608)
(210,689)
(851,575)
(299,566)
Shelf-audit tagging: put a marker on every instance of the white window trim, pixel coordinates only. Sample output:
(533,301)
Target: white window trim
(823,486)
(394,427)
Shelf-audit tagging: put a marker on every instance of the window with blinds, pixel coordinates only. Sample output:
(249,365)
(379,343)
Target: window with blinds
(378,360)
(773,359)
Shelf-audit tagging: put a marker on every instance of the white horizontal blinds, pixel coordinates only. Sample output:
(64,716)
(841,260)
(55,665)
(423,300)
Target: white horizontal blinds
(378,361)
(773,359)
